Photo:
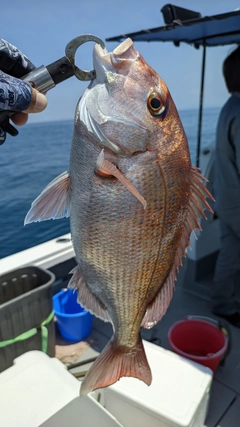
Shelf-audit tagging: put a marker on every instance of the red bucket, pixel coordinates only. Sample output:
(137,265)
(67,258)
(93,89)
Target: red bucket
(199,340)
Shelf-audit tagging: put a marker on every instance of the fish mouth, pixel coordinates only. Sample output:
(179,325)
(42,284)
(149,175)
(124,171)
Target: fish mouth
(118,61)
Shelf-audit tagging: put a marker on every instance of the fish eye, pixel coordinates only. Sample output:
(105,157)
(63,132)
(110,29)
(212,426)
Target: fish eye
(155,104)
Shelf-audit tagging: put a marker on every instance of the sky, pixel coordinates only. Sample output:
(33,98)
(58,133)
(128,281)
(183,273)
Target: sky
(41,30)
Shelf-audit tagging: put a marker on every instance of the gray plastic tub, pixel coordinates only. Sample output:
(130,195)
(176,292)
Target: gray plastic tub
(26,314)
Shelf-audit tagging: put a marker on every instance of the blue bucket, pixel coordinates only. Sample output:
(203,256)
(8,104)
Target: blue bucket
(74,323)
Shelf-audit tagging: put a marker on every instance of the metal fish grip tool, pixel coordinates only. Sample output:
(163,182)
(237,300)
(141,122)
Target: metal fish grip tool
(45,78)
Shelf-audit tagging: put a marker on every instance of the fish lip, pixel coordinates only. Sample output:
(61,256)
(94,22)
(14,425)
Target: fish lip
(125,51)
(101,57)
(118,61)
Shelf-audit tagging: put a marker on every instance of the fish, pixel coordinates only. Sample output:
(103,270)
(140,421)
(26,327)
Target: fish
(133,199)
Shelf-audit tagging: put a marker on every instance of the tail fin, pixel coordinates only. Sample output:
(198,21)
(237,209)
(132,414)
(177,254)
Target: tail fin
(115,362)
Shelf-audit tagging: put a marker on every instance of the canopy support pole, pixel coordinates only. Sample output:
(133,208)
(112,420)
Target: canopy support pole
(201,107)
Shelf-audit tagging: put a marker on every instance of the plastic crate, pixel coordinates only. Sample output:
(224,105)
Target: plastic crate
(26,314)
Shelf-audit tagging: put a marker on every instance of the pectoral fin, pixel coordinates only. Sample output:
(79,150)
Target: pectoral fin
(53,202)
(106,168)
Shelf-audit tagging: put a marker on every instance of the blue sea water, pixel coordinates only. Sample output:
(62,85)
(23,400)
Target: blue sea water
(37,155)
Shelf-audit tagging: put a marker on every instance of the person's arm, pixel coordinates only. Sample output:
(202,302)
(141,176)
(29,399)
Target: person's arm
(15,94)
(235,140)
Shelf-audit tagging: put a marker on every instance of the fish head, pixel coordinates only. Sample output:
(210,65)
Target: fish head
(127,102)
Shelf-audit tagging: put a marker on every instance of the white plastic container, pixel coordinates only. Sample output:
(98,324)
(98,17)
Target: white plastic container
(39,391)
(177,397)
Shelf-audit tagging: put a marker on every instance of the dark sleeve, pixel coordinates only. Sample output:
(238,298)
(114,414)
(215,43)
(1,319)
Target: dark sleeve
(235,140)
(13,61)
(15,94)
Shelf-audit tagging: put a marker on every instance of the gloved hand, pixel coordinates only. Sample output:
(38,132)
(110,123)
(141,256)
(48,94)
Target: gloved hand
(16,94)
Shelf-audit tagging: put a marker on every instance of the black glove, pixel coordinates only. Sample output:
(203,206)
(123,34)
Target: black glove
(15,94)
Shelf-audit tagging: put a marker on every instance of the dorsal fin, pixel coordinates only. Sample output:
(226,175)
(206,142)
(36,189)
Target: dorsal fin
(53,202)
(197,203)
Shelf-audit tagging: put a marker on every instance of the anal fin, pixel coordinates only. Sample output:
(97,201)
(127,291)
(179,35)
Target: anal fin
(85,297)
(158,307)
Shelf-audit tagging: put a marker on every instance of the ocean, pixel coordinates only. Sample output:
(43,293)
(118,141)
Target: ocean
(37,155)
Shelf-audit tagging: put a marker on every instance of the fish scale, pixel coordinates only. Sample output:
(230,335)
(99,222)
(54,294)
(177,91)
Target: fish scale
(133,200)
(119,257)
(124,236)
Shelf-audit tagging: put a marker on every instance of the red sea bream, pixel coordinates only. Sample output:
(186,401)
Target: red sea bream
(133,199)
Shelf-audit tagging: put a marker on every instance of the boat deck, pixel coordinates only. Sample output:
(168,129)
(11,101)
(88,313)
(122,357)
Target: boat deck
(224,407)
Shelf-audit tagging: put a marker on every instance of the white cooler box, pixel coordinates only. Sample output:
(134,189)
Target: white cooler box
(39,391)
(177,397)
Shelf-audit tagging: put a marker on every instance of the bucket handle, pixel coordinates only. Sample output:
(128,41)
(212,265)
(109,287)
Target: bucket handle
(223,328)
(208,319)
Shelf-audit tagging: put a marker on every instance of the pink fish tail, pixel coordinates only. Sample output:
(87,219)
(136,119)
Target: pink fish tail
(115,362)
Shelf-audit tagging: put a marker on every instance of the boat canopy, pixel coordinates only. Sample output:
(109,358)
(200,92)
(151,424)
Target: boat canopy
(216,30)
(186,26)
